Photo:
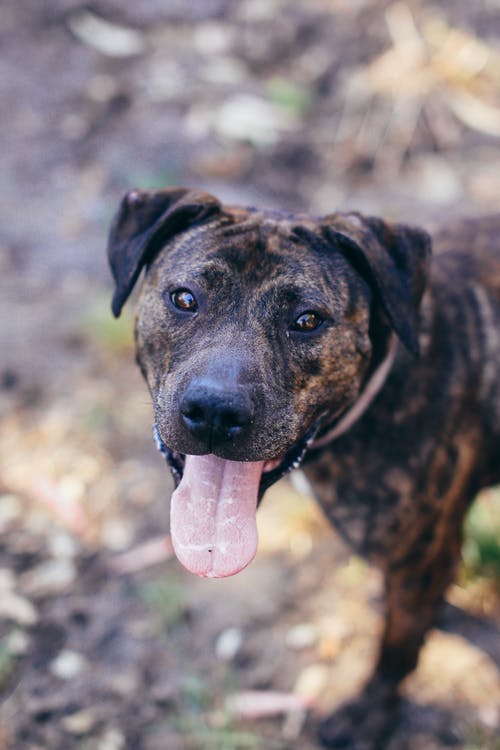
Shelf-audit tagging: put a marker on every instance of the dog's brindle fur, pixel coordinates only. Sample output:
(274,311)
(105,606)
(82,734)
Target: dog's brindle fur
(397,484)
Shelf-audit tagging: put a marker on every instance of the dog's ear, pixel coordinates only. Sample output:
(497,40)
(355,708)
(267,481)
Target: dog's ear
(146,220)
(394,260)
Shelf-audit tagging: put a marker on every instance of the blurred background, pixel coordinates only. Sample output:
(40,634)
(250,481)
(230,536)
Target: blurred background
(387,107)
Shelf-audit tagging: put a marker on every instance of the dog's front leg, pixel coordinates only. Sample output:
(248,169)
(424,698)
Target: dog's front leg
(414,590)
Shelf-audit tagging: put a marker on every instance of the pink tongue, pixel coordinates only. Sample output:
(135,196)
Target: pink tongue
(212,515)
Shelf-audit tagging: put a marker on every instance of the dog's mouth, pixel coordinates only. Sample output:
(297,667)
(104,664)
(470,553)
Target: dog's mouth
(213,507)
(272,470)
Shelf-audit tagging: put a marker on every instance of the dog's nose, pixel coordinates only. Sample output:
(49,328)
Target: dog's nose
(216,415)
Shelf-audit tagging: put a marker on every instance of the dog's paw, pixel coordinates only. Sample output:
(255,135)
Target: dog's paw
(364,724)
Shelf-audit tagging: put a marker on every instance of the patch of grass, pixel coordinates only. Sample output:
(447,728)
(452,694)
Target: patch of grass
(481,549)
(200,733)
(166,176)
(7,663)
(477,738)
(210,738)
(286,94)
(203,726)
(167,599)
(195,691)
(96,417)
(115,335)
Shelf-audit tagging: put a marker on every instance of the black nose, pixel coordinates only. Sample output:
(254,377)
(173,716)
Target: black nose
(216,415)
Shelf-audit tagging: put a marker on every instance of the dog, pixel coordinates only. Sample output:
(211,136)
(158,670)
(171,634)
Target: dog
(270,340)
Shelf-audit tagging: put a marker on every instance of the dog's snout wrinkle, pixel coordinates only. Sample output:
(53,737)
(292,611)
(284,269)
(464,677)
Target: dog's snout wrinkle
(216,414)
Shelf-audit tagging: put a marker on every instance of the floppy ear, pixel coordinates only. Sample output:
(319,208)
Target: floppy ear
(393,258)
(145,220)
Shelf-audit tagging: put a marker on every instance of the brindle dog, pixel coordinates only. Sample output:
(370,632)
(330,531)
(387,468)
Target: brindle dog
(268,338)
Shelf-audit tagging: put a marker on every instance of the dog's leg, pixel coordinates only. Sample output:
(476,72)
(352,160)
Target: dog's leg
(414,591)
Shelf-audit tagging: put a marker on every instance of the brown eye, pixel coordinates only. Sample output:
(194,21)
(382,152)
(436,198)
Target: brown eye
(185,300)
(307,322)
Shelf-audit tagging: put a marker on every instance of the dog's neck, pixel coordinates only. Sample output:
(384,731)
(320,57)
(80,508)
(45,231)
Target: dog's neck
(370,390)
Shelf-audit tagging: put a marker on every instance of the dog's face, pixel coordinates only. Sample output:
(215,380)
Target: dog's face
(246,334)
(255,328)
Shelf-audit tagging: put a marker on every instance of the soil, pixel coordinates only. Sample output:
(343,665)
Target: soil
(105,643)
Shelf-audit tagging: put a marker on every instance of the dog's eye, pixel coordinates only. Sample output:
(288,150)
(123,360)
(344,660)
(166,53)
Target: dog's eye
(183,299)
(307,322)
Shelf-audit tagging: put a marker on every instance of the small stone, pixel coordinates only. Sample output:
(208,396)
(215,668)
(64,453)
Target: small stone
(17,643)
(62,545)
(228,644)
(80,722)
(111,739)
(227,71)
(166,80)
(123,684)
(68,664)
(251,118)
(257,10)
(50,577)
(17,608)
(7,579)
(301,636)
(212,38)
(108,38)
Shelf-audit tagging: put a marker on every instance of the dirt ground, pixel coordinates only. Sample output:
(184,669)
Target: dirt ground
(105,643)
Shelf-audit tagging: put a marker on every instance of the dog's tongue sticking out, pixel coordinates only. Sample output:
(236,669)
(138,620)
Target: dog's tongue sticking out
(212,515)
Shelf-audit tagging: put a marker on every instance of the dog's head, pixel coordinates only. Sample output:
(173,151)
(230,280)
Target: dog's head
(253,327)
